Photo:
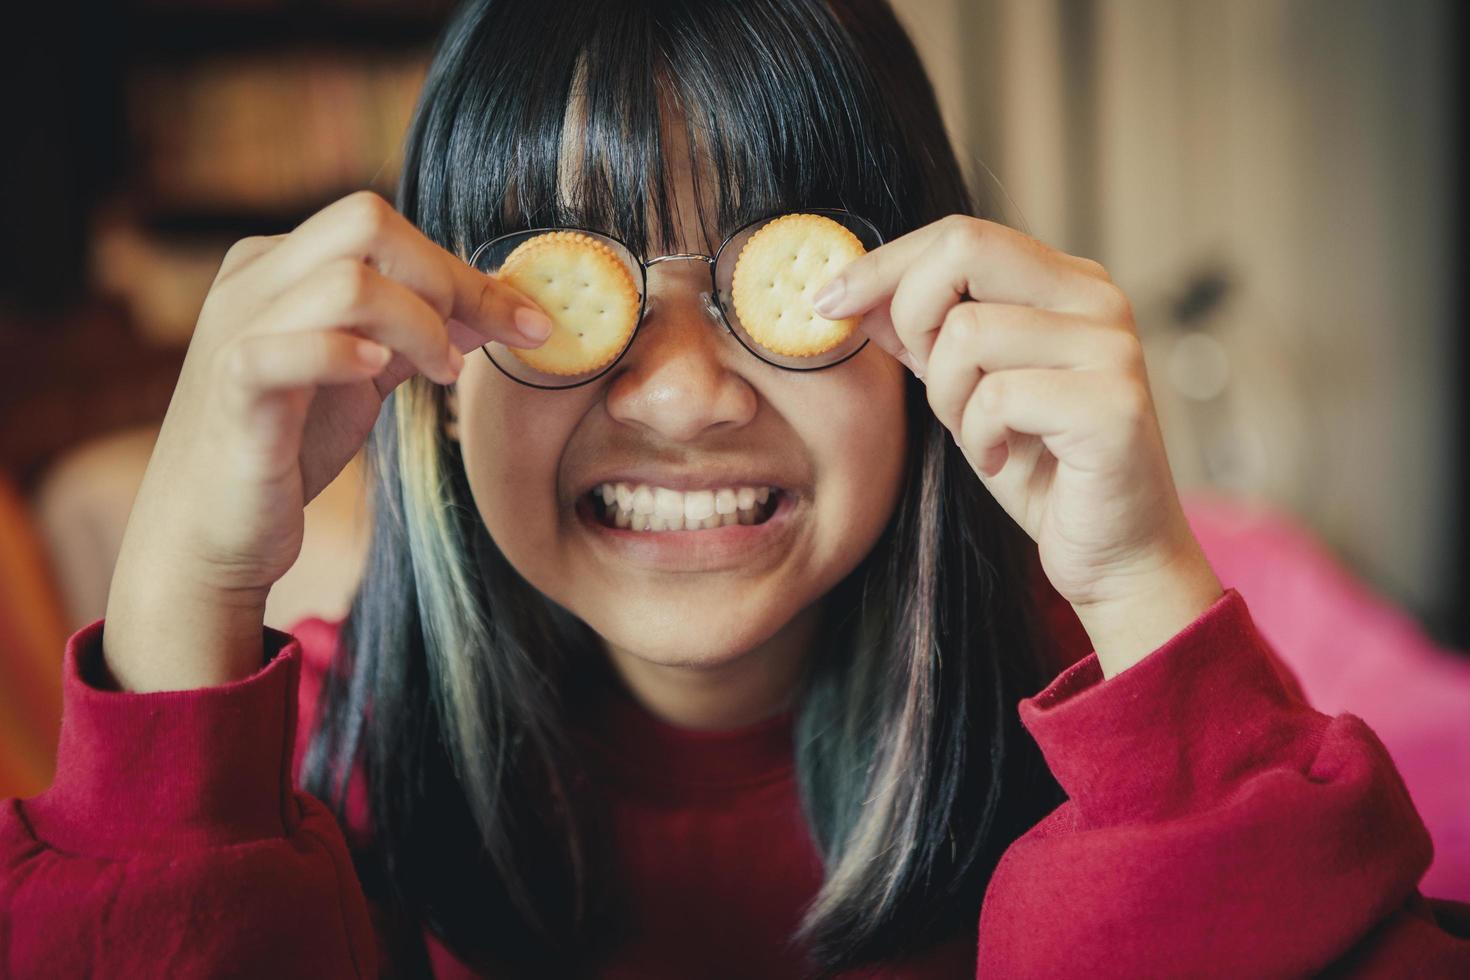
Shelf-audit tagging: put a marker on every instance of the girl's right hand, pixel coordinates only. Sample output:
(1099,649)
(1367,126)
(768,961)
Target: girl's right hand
(301,338)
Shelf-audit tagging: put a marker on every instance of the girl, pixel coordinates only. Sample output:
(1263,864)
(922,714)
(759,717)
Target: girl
(786,747)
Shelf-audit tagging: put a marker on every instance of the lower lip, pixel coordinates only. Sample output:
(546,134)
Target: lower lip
(729,546)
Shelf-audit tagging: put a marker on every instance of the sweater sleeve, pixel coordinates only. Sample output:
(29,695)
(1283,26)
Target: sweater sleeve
(1216,826)
(172,843)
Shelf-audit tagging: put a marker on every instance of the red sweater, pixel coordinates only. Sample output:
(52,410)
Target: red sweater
(1216,826)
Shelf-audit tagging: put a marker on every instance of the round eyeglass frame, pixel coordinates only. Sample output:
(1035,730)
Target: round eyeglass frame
(712,301)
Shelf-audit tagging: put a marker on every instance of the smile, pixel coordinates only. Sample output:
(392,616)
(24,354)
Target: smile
(641,507)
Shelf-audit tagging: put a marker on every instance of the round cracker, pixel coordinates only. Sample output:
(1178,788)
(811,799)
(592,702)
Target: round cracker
(779,270)
(587,291)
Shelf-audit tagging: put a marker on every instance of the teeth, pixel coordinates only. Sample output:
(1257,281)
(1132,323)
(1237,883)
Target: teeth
(698,505)
(668,503)
(645,508)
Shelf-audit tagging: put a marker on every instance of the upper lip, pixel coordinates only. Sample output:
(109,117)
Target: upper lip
(707,478)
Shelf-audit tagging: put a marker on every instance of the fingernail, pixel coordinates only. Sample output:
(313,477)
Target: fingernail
(827,300)
(534,325)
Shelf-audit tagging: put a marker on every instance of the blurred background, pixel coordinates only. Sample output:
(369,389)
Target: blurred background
(1276,184)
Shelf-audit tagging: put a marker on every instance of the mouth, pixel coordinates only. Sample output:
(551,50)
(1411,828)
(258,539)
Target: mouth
(654,509)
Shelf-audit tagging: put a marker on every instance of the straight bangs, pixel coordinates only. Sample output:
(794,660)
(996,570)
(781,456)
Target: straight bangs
(558,116)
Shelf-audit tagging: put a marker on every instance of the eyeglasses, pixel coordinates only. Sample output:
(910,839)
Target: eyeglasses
(717,303)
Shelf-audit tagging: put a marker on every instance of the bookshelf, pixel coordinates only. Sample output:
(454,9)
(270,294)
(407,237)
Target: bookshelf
(244,115)
(187,124)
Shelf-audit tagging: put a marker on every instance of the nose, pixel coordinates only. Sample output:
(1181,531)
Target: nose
(678,380)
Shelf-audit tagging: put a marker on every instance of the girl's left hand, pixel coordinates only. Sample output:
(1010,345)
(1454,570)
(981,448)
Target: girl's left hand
(1032,361)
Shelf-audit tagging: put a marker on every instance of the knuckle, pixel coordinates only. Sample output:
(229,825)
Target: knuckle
(485,299)
(237,257)
(349,284)
(963,232)
(1114,303)
(243,251)
(1123,347)
(965,325)
(368,214)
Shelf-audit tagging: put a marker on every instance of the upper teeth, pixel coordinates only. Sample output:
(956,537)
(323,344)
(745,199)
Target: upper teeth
(649,508)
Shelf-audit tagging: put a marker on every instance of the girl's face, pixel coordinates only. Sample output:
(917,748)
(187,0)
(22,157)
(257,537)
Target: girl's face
(688,407)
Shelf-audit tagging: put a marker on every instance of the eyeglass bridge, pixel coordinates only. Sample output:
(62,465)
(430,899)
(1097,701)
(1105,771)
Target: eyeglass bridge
(707,299)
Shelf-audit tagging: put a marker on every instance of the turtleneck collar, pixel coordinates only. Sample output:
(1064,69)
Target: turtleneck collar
(638,745)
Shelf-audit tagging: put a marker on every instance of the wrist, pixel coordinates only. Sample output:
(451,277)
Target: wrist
(1127,628)
(172,634)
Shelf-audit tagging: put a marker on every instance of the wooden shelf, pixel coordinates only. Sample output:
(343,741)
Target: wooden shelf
(83,368)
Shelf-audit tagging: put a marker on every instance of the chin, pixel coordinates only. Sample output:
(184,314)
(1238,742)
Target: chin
(670,636)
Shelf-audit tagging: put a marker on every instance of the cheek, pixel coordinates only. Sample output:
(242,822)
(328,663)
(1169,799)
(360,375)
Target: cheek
(858,435)
(511,439)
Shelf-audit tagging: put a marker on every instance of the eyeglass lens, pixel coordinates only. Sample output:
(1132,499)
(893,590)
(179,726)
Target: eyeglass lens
(492,255)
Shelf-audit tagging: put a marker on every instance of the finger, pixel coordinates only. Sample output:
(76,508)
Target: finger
(363,226)
(925,299)
(977,259)
(346,293)
(980,337)
(878,326)
(1084,417)
(277,361)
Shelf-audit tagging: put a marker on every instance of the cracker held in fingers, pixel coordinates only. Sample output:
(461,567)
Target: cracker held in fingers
(586,290)
(779,270)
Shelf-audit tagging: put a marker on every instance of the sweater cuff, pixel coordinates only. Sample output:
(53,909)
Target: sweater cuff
(170,769)
(1177,731)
